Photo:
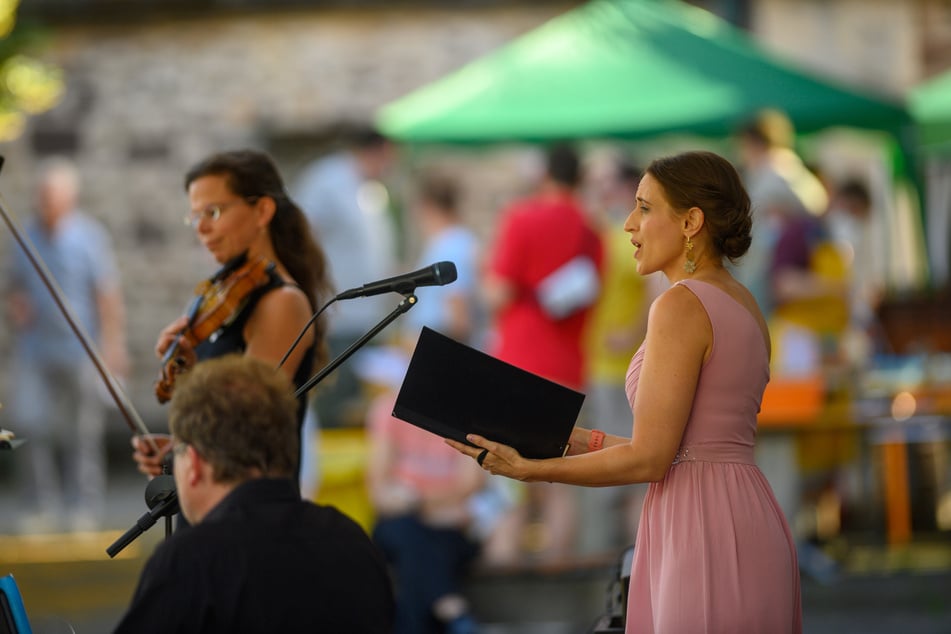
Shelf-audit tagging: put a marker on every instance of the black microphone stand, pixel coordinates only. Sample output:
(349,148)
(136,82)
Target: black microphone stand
(409,300)
(160,494)
(162,499)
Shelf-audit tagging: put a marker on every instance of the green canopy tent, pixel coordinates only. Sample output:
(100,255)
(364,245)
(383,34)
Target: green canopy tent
(626,69)
(640,69)
(930,104)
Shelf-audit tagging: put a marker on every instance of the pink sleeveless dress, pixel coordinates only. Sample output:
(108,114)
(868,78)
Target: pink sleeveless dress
(713,553)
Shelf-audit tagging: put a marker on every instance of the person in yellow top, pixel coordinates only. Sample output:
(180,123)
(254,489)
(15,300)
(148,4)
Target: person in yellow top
(615,330)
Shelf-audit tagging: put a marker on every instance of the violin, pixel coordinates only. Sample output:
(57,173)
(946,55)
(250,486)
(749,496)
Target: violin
(217,301)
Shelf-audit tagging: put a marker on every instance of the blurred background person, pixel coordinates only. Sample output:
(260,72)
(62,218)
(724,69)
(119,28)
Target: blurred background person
(779,184)
(808,285)
(347,206)
(538,238)
(348,209)
(454,309)
(851,223)
(56,399)
(423,494)
(616,328)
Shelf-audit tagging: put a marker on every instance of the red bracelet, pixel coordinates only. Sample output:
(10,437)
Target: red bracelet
(595,440)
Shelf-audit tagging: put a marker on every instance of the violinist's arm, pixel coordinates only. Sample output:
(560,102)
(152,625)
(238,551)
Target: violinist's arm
(275,323)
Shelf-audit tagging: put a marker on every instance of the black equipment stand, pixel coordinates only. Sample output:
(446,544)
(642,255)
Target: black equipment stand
(409,300)
(161,498)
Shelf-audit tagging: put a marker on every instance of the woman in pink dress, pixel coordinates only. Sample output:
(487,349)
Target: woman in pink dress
(713,552)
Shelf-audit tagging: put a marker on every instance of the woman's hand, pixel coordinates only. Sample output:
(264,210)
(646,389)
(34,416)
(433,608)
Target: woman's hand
(498,459)
(150,452)
(168,336)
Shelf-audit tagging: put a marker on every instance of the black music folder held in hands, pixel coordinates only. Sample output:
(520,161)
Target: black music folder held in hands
(452,390)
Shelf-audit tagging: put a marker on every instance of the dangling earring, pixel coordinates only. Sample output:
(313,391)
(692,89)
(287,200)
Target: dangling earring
(689,265)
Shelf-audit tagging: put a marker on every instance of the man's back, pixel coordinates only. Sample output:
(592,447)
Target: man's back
(265,561)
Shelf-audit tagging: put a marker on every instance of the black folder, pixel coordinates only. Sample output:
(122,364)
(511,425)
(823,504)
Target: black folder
(451,389)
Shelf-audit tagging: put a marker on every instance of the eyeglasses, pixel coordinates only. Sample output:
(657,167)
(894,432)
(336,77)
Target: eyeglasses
(179,447)
(213,212)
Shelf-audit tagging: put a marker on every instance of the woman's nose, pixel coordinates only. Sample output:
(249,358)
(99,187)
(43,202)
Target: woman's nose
(629,223)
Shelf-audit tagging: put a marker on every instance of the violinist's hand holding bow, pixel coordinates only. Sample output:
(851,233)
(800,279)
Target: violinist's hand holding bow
(495,457)
(146,458)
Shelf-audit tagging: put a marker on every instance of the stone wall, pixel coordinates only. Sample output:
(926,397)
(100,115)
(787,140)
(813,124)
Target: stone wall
(877,44)
(147,100)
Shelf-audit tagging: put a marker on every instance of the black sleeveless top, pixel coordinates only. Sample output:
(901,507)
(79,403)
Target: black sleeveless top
(230,339)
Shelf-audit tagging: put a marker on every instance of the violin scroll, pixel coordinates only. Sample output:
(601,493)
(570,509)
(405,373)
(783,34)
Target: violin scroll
(167,375)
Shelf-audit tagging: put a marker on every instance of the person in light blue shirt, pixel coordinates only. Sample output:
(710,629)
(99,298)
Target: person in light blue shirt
(56,400)
(453,309)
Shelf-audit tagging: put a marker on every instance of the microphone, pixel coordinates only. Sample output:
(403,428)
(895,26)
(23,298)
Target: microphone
(438,274)
(162,498)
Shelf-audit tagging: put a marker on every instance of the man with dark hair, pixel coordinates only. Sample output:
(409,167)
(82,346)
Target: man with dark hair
(542,280)
(257,558)
(564,166)
(537,236)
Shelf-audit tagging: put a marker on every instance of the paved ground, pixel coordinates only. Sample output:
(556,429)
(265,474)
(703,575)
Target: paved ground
(69,584)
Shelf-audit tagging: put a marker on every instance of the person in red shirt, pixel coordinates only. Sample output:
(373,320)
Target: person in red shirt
(546,241)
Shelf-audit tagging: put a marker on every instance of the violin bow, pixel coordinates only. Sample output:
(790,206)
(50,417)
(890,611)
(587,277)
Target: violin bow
(131,416)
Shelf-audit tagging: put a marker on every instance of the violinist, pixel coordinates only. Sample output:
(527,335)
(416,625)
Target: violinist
(55,399)
(242,214)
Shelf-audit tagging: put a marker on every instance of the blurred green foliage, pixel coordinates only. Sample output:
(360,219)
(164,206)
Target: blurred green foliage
(28,86)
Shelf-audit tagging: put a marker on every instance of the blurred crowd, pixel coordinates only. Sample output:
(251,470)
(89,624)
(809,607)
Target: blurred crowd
(812,268)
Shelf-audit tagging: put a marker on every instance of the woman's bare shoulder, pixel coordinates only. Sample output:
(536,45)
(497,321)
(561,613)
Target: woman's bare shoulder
(676,303)
(282,303)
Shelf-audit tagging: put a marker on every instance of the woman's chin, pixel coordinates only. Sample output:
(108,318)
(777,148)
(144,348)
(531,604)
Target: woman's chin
(218,256)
